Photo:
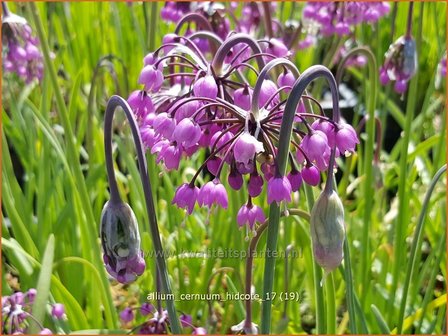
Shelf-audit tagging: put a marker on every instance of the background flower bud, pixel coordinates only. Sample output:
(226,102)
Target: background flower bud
(328,230)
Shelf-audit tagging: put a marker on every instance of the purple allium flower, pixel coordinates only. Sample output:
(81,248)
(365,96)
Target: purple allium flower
(206,87)
(58,311)
(22,54)
(268,90)
(163,124)
(443,66)
(255,185)
(141,103)
(277,48)
(295,178)
(401,86)
(400,63)
(187,132)
(242,97)
(384,77)
(199,331)
(235,179)
(311,175)
(327,127)
(17,313)
(339,17)
(186,196)
(149,59)
(186,110)
(170,155)
(17,298)
(31,295)
(307,42)
(146,309)
(173,11)
(186,320)
(346,139)
(127,315)
(213,192)
(286,78)
(213,165)
(268,170)
(316,147)
(279,190)
(249,214)
(151,77)
(120,241)
(148,135)
(246,147)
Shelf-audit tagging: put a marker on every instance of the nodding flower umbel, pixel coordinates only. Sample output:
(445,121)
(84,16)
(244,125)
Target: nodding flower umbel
(120,241)
(23,56)
(157,321)
(205,102)
(17,312)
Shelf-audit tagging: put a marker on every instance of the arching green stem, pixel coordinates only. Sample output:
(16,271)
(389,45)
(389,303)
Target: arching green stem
(113,103)
(368,157)
(224,49)
(263,74)
(416,244)
(282,158)
(197,18)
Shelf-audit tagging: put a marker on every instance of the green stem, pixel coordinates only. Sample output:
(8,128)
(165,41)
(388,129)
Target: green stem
(298,89)
(349,287)
(368,159)
(152,27)
(403,194)
(416,243)
(73,157)
(331,305)
(162,275)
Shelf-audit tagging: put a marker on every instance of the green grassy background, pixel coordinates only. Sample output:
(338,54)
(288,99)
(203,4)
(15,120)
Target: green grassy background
(41,195)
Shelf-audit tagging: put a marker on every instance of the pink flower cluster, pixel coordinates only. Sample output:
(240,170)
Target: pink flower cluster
(194,101)
(400,63)
(158,322)
(17,312)
(337,17)
(23,56)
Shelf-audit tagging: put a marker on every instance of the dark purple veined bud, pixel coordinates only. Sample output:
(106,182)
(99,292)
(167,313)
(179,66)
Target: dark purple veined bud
(328,230)
(120,241)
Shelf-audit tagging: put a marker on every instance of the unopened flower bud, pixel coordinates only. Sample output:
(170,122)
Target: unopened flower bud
(120,241)
(328,230)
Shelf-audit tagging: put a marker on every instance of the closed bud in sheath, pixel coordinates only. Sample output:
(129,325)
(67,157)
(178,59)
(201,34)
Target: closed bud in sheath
(120,241)
(328,230)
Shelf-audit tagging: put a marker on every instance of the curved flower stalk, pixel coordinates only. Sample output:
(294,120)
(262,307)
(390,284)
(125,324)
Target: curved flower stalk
(119,234)
(17,313)
(23,55)
(281,162)
(369,160)
(416,244)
